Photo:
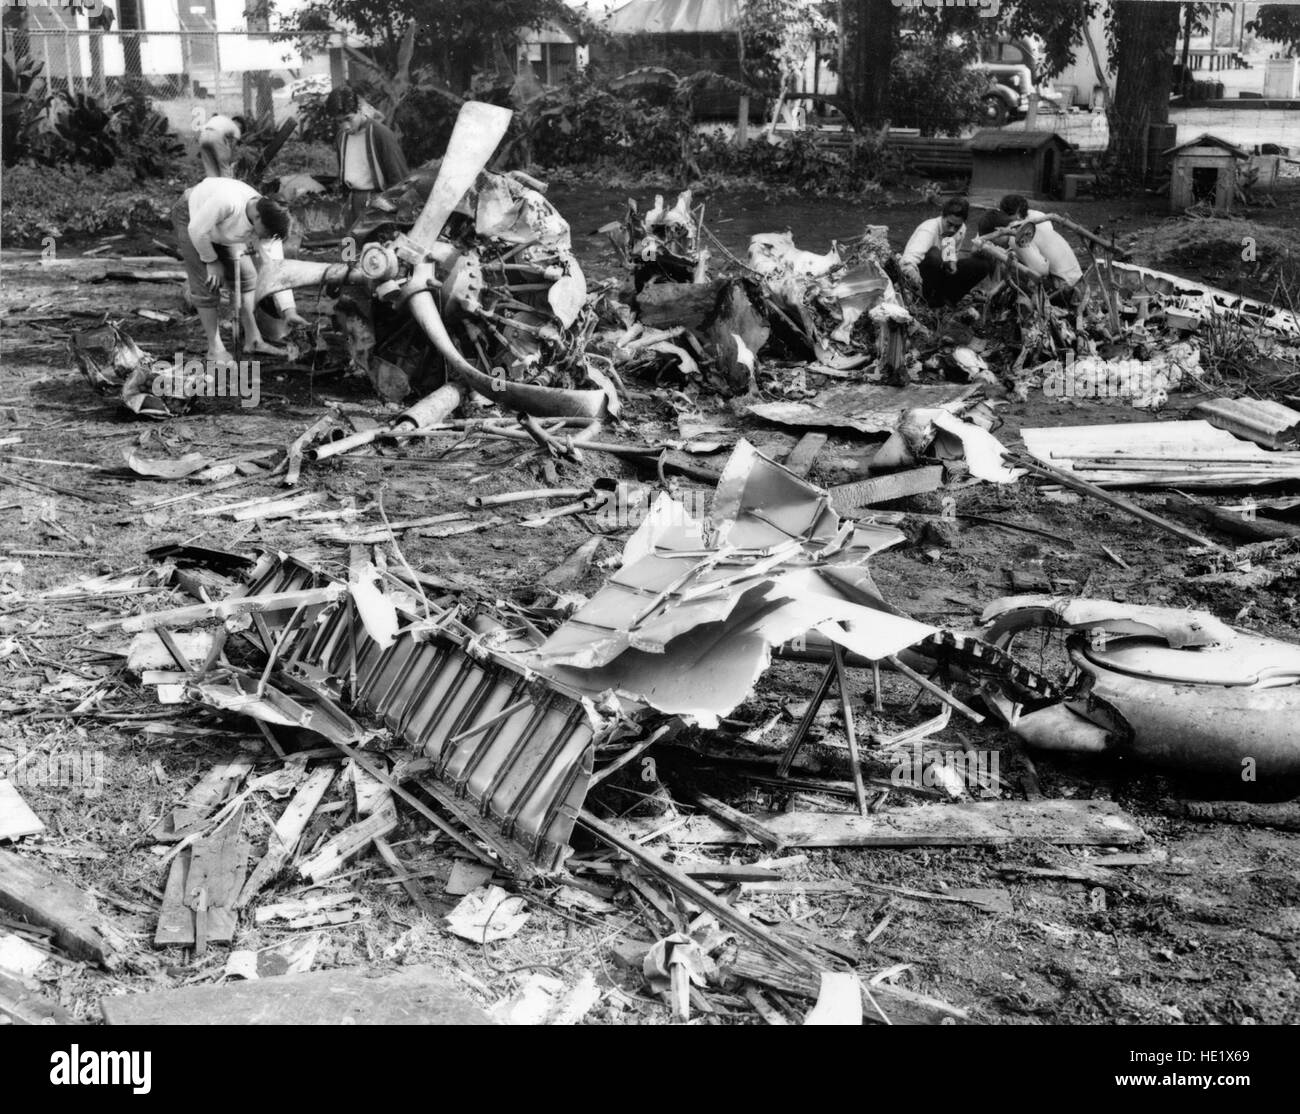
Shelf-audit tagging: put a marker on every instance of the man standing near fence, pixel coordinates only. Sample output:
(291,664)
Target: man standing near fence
(215,222)
(218,139)
(370,158)
(931,263)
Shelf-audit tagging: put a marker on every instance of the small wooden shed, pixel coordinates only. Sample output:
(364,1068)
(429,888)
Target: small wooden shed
(1027,163)
(1204,169)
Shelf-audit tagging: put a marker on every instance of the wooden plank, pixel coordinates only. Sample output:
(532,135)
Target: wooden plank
(210,791)
(413,890)
(199,901)
(739,820)
(16,818)
(175,922)
(215,878)
(287,832)
(371,793)
(846,498)
(729,872)
(42,898)
(24,1006)
(804,455)
(980,823)
(351,841)
(418,995)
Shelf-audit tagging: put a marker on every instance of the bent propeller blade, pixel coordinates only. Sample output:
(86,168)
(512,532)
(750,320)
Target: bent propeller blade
(479,130)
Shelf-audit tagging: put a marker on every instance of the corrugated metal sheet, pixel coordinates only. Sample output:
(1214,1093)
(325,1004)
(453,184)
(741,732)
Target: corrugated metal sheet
(1266,423)
(516,750)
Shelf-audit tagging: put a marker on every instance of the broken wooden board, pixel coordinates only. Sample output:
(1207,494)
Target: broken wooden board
(804,455)
(351,841)
(16,818)
(24,1006)
(287,832)
(417,995)
(864,407)
(371,793)
(211,790)
(846,498)
(42,898)
(741,821)
(202,888)
(466,877)
(981,823)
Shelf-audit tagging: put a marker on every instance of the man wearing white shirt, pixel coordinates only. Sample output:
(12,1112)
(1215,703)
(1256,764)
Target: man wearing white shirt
(215,222)
(931,263)
(1062,264)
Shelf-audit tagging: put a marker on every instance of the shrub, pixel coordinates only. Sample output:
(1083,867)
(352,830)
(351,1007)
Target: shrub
(931,88)
(72,200)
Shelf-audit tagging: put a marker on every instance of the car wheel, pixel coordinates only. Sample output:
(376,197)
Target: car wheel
(995,111)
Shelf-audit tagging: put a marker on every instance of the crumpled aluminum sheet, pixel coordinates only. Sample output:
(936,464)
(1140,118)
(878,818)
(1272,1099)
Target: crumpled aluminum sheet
(688,624)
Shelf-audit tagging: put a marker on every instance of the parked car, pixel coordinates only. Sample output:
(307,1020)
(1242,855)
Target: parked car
(1010,67)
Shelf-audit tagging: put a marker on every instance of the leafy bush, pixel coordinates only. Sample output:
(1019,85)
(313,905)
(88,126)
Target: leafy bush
(83,131)
(931,88)
(27,99)
(315,125)
(423,122)
(86,133)
(146,144)
(72,200)
(806,165)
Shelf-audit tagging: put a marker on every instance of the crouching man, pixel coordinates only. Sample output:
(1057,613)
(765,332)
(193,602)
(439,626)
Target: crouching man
(216,223)
(932,262)
(1063,267)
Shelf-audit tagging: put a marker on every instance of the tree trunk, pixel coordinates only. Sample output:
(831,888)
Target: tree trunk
(1146,36)
(868,52)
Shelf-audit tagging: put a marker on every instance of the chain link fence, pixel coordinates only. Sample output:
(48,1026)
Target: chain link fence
(189,75)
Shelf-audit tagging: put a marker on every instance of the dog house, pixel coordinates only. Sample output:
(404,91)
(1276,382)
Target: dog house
(1204,169)
(1027,163)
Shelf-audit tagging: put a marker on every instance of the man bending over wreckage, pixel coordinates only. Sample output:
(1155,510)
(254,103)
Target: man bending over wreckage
(931,264)
(1063,266)
(214,222)
(218,139)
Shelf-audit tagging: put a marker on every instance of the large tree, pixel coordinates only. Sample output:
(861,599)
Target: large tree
(870,40)
(1278,23)
(1145,37)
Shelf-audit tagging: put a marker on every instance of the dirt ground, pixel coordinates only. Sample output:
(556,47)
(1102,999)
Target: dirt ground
(1208,931)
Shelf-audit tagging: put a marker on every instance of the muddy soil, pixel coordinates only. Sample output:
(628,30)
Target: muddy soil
(1208,931)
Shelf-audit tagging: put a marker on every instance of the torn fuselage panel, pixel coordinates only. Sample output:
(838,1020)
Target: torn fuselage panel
(1173,688)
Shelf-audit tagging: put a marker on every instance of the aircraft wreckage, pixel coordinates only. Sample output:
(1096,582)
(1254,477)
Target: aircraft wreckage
(507,718)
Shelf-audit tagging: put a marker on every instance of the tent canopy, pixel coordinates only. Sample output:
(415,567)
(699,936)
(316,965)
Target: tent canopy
(659,17)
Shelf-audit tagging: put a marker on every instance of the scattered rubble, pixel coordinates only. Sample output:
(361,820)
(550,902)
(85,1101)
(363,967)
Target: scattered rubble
(604,757)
